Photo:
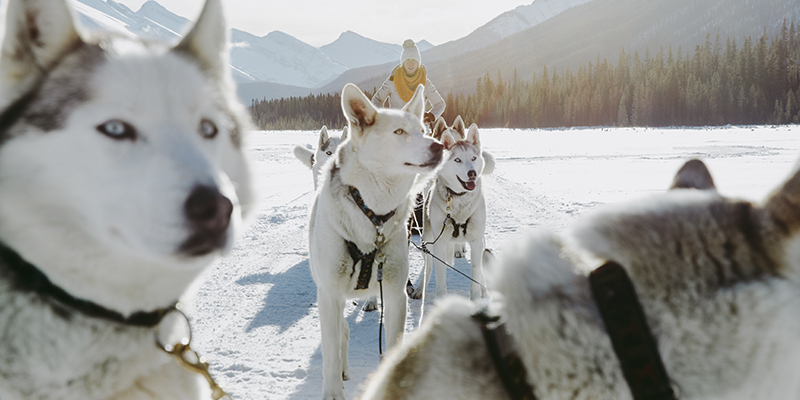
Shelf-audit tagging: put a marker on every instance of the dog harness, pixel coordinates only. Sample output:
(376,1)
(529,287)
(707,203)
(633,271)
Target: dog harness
(627,328)
(456,225)
(367,259)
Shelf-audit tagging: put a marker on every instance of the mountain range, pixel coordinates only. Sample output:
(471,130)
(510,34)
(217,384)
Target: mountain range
(552,33)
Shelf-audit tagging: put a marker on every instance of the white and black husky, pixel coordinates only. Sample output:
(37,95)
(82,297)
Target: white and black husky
(455,211)
(315,159)
(682,295)
(122,177)
(358,230)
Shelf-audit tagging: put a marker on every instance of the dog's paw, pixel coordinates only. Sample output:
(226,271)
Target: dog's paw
(371,304)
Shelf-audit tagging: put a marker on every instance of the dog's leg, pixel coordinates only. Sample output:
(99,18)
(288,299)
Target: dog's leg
(440,249)
(331,318)
(476,265)
(423,278)
(371,304)
(396,309)
(345,345)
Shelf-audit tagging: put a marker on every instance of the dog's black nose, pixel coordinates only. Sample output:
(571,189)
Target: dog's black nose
(207,205)
(471,174)
(209,214)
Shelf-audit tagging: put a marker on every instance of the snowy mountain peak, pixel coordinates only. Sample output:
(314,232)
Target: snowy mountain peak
(527,16)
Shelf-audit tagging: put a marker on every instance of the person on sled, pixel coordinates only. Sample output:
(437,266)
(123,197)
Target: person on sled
(402,82)
(398,89)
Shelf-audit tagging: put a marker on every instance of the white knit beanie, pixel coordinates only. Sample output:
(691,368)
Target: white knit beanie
(410,50)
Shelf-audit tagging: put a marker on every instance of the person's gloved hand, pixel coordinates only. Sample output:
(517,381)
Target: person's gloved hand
(428,118)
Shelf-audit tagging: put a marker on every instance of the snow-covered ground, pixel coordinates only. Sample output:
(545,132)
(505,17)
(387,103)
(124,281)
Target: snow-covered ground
(255,314)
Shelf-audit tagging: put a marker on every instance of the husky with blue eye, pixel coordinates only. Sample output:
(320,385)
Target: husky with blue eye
(122,177)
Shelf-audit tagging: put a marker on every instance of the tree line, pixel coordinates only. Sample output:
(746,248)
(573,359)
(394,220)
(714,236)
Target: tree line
(757,82)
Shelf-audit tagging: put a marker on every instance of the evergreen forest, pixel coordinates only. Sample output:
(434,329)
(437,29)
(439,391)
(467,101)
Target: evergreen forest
(719,83)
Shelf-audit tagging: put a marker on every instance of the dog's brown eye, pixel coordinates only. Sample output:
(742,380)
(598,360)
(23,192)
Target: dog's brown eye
(399,131)
(118,130)
(208,129)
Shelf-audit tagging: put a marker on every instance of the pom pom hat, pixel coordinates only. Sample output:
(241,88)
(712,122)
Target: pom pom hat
(411,51)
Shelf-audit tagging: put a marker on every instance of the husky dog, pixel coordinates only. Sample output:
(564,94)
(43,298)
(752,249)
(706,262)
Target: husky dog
(358,220)
(718,281)
(325,148)
(455,213)
(122,176)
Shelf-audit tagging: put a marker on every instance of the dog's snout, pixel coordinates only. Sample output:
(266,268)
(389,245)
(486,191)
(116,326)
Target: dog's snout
(206,204)
(209,214)
(471,174)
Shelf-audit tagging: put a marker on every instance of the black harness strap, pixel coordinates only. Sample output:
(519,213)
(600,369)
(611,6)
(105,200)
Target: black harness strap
(366,264)
(504,358)
(367,259)
(376,220)
(30,279)
(457,227)
(630,335)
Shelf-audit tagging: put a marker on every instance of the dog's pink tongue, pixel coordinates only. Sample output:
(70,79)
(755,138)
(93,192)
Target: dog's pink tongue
(470,185)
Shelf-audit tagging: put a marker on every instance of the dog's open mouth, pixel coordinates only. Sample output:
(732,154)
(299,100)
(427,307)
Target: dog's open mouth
(469,185)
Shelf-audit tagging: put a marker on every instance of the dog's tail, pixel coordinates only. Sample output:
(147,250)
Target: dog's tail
(305,155)
(488,163)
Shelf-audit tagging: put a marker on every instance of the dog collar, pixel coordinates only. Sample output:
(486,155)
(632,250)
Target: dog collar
(450,192)
(377,220)
(26,277)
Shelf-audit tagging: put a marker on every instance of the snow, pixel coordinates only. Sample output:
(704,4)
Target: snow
(255,315)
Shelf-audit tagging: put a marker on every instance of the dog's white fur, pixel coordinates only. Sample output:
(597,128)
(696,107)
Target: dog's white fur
(718,280)
(326,146)
(386,157)
(462,174)
(104,217)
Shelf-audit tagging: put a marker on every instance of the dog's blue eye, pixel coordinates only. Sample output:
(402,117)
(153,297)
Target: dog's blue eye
(116,129)
(458,160)
(399,132)
(208,129)
(328,153)
(474,158)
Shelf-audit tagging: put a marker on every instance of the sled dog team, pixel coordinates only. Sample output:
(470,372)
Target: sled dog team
(123,176)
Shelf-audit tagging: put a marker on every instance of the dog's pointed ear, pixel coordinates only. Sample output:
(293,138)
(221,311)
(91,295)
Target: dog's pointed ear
(473,136)
(207,41)
(323,136)
(460,127)
(693,175)
(344,133)
(416,105)
(357,108)
(448,140)
(37,33)
(438,128)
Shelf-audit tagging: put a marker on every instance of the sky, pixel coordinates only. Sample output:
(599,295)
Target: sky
(320,22)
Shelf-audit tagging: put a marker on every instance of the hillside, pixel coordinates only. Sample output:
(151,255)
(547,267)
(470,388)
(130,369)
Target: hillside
(577,36)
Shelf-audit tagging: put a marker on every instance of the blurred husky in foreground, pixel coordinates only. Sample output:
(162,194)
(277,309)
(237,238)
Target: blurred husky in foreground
(122,177)
(358,221)
(455,209)
(718,281)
